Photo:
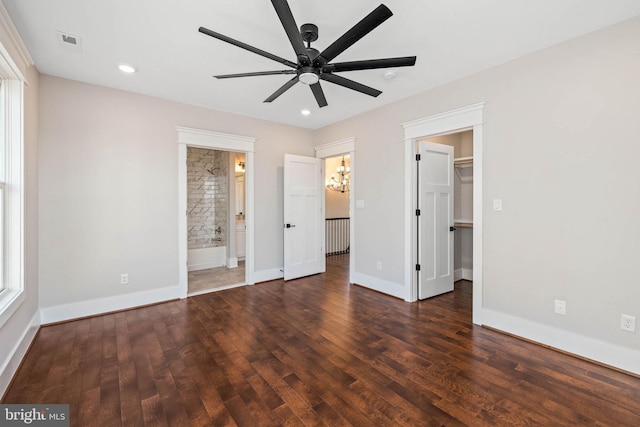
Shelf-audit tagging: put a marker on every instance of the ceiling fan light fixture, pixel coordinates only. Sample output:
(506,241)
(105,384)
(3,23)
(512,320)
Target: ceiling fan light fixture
(308,78)
(305,112)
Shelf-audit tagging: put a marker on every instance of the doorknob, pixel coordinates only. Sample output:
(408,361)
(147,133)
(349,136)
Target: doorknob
(289,225)
(452,229)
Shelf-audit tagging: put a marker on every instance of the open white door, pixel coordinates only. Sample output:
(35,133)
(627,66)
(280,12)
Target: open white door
(303,219)
(435,223)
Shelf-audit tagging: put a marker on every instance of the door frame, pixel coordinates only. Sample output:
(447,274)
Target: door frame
(453,121)
(199,138)
(335,149)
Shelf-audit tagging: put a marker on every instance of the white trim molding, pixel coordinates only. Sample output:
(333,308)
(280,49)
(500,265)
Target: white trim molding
(12,170)
(219,141)
(444,123)
(460,119)
(200,138)
(14,37)
(463,274)
(268,275)
(334,149)
(99,306)
(18,352)
(603,352)
(390,288)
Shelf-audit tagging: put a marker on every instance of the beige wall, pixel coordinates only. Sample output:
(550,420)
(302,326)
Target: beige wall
(569,226)
(108,188)
(466,144)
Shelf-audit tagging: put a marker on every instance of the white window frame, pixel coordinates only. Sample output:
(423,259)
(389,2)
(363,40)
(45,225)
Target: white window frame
(12,292)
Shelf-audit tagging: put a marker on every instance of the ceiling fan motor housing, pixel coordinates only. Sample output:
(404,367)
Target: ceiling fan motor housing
(309,32)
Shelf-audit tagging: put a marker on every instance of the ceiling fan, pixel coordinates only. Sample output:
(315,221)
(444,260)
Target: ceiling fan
(311,65)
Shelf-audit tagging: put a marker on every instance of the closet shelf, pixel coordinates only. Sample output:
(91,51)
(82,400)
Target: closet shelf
(464,168)
(463,162)
(463,224)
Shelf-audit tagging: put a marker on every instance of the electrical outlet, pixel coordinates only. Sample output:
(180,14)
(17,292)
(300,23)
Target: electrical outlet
(379,265)
(628,323)
(560,307)
(124,279)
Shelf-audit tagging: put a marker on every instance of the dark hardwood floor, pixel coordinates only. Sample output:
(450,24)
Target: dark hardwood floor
(314,351)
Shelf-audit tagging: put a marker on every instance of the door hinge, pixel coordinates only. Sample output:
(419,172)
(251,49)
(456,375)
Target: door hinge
(417,267)
(418,157)
(417,212)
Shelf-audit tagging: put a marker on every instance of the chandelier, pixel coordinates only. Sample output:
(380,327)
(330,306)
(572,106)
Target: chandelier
(341,181)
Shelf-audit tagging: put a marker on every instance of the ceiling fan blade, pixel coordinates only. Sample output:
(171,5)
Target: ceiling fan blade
(350,84)
(257,73)
(318,93)
(291,28)
(361,29)
(245,46)
(370,64)
(285,87)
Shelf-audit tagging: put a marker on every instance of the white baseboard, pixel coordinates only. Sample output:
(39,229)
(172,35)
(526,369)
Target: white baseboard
(463,274)
(19,350)
(232,262)
(204,266)
(221,288)
(94,307)
(603,352)
(267,275)
(380,285)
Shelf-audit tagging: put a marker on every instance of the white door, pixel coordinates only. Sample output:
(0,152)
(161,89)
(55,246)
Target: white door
(303,218)
(435,202)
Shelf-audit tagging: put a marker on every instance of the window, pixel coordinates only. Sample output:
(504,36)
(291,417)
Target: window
(11,187)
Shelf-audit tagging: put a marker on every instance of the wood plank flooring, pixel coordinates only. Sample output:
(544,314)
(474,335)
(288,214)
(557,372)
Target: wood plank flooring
(314,351)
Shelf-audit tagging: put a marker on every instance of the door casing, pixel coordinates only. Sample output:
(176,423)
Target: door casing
(214,141)
(458,120)
(334,149)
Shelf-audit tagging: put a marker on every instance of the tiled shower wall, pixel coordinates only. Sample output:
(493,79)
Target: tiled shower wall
(207,198)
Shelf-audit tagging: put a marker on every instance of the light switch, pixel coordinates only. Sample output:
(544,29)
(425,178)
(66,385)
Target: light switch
(360,204)
(497,204)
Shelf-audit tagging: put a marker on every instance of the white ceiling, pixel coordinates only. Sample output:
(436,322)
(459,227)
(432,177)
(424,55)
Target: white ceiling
(451,38)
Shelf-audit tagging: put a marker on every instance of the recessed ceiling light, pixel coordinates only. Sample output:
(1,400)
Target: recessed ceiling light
(127,68)
(389,75)
(305,112)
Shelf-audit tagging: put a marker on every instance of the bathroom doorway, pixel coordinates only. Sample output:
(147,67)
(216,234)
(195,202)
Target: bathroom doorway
(216,240)
(215,220)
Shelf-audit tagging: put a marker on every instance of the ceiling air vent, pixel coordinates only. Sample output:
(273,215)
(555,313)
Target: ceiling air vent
(69,41)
